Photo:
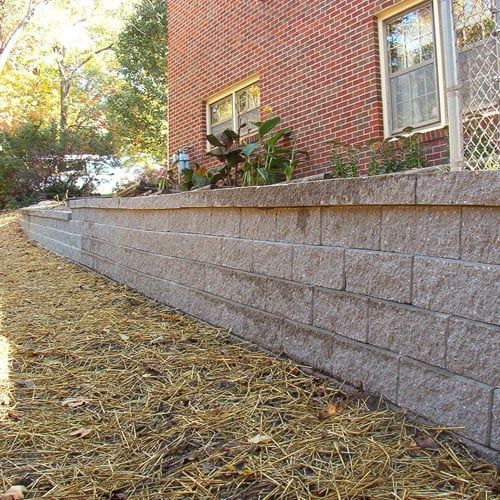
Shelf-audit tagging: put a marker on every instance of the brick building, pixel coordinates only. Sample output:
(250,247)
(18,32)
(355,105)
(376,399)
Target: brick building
(346,70)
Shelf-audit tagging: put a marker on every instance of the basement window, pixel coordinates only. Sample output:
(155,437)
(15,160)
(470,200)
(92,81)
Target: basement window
(410,69)
(235,109)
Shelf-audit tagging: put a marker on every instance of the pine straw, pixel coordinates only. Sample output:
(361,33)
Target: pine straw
(173,402)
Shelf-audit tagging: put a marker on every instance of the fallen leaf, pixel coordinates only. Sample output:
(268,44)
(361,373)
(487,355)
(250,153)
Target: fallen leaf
(331,410)
(480,467)
(27,384)
(153,371)
(260,439)
(82,432)
(426,443)
(493,484)
(14,493)
(118,496)
(441,466)
(52,361)
(13,415)
(234,443)
(75,402)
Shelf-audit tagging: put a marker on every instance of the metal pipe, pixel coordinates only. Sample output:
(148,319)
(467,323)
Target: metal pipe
(452,86)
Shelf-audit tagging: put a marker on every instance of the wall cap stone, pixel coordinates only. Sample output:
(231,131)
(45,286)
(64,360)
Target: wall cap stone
(430,188)
(46,213)
(459,188)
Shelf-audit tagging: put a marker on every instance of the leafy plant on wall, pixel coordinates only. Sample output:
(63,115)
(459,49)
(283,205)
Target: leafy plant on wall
(265,160)
(403,152)
(345,159)
(397,154)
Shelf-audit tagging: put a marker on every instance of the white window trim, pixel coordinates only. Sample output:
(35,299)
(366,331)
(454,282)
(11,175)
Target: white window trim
(225,93)
(441,85)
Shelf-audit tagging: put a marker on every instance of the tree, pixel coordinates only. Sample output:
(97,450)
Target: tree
(53,97)
(139,109)
(33,163)
(11,29)
(68,74)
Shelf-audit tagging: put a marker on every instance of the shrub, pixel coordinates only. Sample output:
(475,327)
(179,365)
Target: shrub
(397,154)
(263,160)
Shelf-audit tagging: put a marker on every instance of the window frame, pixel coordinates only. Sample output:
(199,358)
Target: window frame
(383,17)
(229,91)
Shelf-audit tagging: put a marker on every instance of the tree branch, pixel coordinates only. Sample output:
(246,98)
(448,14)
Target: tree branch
(10,42)
(90,57)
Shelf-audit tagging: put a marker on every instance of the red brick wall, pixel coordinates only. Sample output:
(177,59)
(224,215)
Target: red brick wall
(317,60)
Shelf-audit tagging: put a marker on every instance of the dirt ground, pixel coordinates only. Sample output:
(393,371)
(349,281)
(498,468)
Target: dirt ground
(107,394)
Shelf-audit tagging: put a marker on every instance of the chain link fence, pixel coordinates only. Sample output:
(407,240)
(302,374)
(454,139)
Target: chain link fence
(476,33)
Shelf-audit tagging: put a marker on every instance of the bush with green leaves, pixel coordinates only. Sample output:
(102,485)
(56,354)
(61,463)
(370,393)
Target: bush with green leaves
(34,163)
(267,160)
(345,159)
(397,154)
(264,160)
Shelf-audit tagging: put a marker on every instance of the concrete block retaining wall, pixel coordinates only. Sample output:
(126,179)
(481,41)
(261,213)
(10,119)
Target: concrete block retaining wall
(391,282)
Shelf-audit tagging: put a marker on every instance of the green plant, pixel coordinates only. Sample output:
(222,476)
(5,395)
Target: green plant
(292,164)
(397,154)
(264,161)
(195,178)
(338,164)
(374,166)
(391,160)
(414,156)
(228,151)
(345,159)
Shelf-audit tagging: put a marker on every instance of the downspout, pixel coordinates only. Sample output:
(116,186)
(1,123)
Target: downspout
(452,86)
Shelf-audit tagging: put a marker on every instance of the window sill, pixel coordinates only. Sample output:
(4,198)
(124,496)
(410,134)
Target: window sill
(423,130)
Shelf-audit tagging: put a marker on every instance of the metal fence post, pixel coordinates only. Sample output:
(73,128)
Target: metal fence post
(452,86)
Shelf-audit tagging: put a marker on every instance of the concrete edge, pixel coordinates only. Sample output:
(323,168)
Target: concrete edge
(47,214)
(430,188)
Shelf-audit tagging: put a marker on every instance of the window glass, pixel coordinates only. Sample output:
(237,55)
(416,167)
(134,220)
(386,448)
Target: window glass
(410,39)
(237,111)
(221,115)
(411,68)
(247,107)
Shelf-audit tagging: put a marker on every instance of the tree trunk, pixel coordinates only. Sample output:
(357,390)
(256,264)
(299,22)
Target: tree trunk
(63,117)
(11,40)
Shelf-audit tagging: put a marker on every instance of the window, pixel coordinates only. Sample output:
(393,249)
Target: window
(411,70)
(236,109)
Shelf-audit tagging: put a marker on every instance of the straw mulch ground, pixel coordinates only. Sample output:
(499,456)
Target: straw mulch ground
(166,407)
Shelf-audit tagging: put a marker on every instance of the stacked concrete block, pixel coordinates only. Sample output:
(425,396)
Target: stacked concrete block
(388,282)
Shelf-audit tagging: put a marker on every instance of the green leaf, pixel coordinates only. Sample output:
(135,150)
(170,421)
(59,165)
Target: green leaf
(214,141)
(216,170)
(264,174)
(231,134)
(233,158)
(276,137)
(250,148)
(268,125)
